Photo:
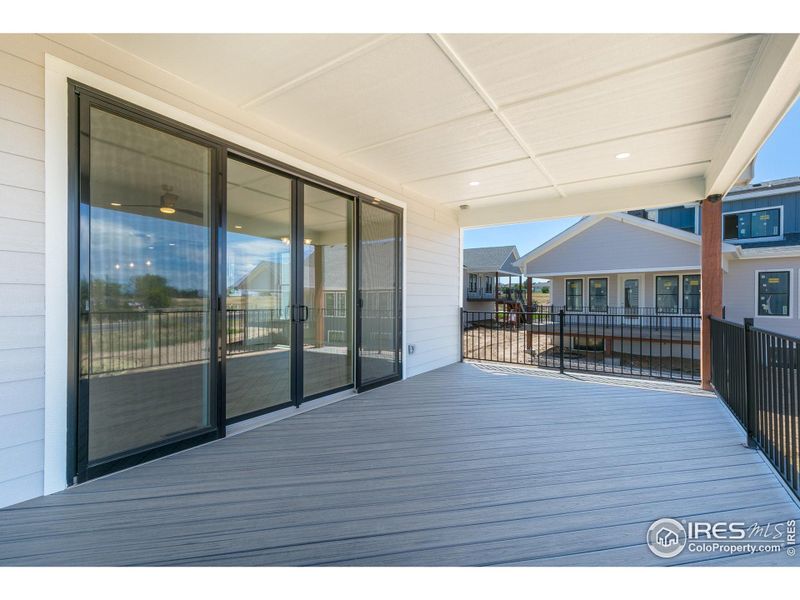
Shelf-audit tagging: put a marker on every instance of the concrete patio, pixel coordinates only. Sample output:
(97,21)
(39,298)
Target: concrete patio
(469,464)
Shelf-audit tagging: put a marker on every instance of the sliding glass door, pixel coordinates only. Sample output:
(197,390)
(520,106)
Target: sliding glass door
(327,303)
(258,296)
(144,329)
(210,285)
(379,293)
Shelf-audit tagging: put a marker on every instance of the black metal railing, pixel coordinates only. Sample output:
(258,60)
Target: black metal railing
(640,311)
(757,374)
(641,345)
(114,341)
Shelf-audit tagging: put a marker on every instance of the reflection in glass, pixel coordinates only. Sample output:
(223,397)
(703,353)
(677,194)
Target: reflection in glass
(327,291)
(631,295)
(379,246)
(258,289)
(144,286)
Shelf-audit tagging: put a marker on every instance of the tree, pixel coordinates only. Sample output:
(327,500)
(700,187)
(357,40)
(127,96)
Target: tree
(152,291)
(545,289)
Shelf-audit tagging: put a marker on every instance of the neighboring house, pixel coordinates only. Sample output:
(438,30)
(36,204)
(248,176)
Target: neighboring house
(649,261)
(487,271)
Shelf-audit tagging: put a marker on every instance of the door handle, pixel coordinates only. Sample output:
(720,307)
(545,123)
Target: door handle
(305,312)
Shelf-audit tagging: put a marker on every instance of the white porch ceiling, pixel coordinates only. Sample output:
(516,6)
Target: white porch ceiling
(536,119)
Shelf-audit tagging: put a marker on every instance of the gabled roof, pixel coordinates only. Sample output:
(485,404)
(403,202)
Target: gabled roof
(588,222)
(490,259)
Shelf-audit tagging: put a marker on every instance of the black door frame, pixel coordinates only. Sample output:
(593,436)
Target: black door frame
(301,307)
(81,98)
(398,292)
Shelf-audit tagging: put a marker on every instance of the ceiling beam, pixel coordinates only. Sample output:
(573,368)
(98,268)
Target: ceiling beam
(769,90)
(654,195)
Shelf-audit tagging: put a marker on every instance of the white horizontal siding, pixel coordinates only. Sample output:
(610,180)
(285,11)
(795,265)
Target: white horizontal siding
(22,275)
(23,459)
(433,258)
(18,203)
(21,396)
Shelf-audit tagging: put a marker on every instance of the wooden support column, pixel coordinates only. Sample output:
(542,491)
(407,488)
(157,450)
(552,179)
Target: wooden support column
(711,280)
(529,319)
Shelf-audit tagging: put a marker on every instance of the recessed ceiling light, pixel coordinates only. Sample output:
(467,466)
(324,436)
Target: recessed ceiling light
(167,210)
(307,241)
(623,155)
(474,183)
(172,243)
(131,265)
(148,263)
(237,226)
(116,266)
(115,204)
(285,240)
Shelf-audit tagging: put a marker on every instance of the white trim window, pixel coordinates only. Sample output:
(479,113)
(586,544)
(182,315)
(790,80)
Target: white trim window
(667,294)
(573,295)
(472,286)
(756,225)
(691,294)
(598,294)
(774,293)
(631,290)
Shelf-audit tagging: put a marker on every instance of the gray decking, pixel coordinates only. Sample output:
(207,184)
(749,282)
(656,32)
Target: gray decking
(466,465)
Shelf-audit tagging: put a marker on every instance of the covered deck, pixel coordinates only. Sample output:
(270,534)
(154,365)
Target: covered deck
(546,469)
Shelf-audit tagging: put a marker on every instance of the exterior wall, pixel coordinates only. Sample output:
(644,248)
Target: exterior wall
(432,243)
(633,248)
(790,203)
(21,278)
(739,293)
(647,286)
(680,217)
(433,262)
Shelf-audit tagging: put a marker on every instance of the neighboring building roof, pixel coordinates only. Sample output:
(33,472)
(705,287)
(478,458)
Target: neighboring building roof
(765,188)
(588,222)
(492,259)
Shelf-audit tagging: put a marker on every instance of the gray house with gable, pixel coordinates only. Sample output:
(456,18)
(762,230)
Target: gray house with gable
(649,260)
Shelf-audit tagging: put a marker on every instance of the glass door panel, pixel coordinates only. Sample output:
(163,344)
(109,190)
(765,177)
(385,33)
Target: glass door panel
(326,313)
(259,288)
(379,293)
(145,281)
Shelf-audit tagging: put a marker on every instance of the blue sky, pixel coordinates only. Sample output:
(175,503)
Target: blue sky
(778,158)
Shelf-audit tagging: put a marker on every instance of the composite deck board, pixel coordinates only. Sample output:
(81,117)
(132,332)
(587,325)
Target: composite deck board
(465,465)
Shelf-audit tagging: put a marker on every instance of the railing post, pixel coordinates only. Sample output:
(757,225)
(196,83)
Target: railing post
(749,394)
(461,334)
(561,340)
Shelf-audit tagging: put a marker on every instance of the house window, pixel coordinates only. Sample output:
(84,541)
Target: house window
(488,285)
(473,283)
(631,293)
(667,294)
(753,224)
(691,294)
(574,295)
(773,293)
(598,294)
